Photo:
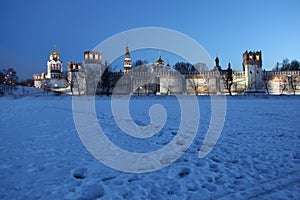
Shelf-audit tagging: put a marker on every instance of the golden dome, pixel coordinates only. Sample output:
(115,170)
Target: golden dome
(160,61)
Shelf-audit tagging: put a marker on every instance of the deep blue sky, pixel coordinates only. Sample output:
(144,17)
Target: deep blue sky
(29,29)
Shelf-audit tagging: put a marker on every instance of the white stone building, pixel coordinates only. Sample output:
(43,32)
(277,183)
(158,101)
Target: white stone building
(161,79)
(54,78)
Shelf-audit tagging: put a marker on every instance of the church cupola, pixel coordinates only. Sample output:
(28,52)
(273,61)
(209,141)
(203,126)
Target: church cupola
(51,56)
(54,55)
(217,67)
(217,61)
(160,61)
(168,66)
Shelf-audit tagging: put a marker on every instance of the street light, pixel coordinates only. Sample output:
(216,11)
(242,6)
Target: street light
(140,88)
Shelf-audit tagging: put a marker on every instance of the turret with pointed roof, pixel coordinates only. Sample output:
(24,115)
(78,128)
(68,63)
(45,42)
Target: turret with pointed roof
(127,61)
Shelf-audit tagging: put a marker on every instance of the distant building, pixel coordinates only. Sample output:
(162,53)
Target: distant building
(148,79)
(83,78)
(161,79)
(38,80)
(54,78)
(252,64)
(54,66)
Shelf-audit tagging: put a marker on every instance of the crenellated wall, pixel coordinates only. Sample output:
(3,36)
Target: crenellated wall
(85,78)
(282,82)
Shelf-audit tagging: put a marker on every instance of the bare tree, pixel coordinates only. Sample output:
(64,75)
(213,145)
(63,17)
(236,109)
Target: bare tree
(185,68)
(287,66)
(228,79)
(92,73)
(10,80)
(194,83)
(105,81)
(70,80)
(74,82)
(2,87)
(295,65)
(139,63)
(81,82)
(169,88)
(293,83)
(283,87)
(266,79)
(277,67)
(206,82)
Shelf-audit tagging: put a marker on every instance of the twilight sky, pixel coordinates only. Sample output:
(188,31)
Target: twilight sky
(29,29)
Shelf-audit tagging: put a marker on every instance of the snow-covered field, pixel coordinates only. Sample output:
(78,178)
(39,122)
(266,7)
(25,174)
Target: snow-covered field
(256,157)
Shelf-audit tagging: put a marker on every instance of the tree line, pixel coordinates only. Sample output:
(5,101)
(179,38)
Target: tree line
(286,65)
(9,80)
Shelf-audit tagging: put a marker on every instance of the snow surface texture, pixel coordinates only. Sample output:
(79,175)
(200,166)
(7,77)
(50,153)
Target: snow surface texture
(256,157)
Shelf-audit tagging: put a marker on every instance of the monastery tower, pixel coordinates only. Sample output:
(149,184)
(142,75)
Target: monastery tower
(252,64)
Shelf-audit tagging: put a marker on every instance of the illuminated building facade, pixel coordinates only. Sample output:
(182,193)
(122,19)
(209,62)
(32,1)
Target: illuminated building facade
(90,77)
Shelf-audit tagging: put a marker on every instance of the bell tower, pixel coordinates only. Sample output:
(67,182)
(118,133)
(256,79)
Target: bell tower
(127,61)
(54,65)
(252,64)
